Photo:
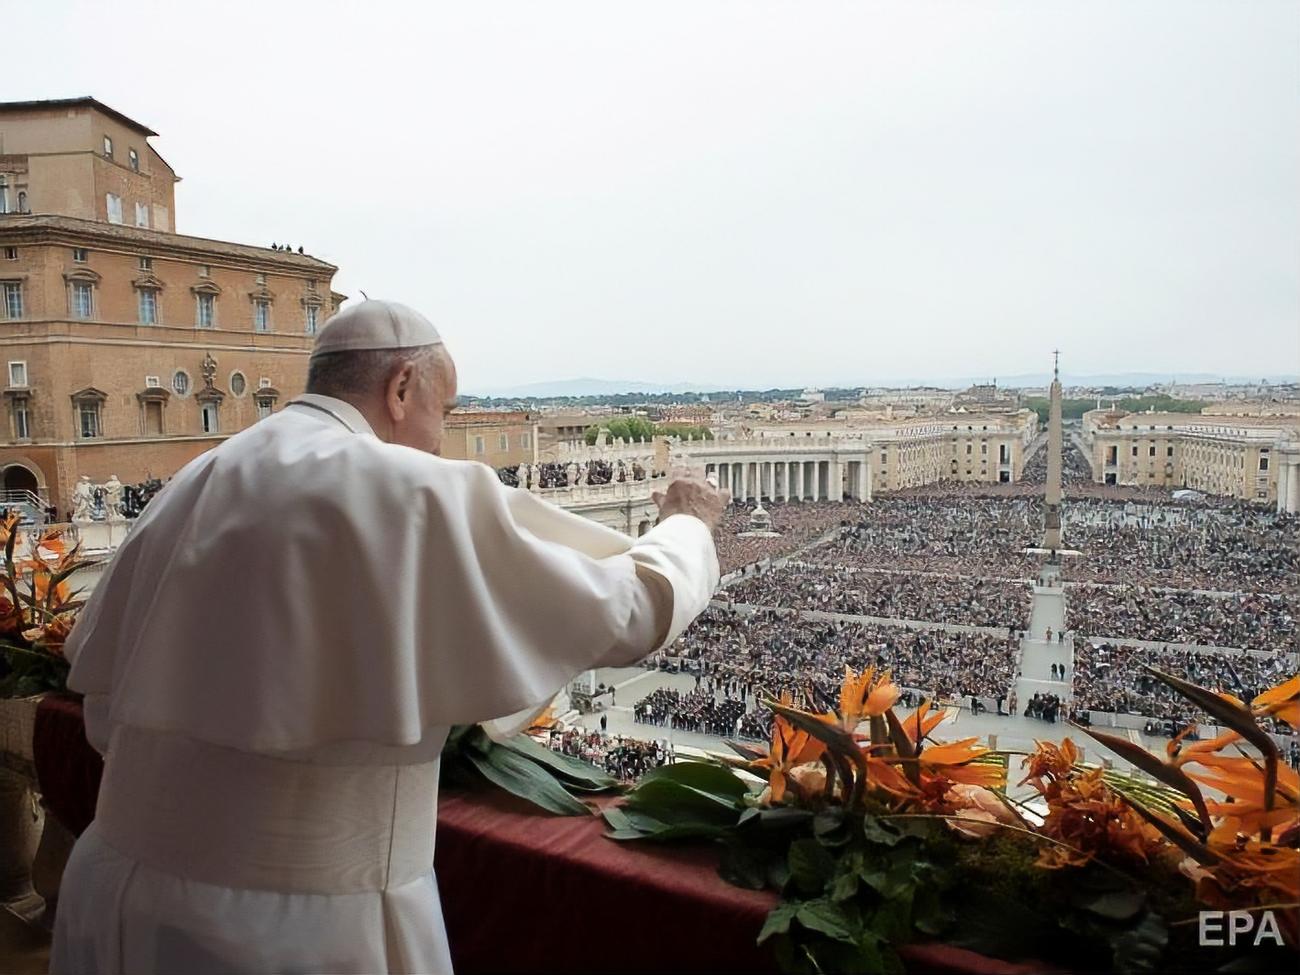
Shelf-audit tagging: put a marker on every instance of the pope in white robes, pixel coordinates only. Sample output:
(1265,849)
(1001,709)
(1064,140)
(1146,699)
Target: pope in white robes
(273,659)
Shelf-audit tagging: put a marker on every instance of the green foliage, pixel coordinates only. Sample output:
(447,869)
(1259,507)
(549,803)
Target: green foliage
(28,672)
(1073,409)
(857,887)
(523,768)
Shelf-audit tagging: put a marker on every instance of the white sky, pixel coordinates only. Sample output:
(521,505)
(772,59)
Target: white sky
(739,193)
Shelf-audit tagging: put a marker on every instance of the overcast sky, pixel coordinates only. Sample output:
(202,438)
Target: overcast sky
(739,193)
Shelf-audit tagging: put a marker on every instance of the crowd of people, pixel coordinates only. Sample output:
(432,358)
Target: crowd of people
(1110,677)
(964,600)
(740,658)
(797,523)
(1253,621)
(626,759)
(1075,468)
(1213,544)
(700,711)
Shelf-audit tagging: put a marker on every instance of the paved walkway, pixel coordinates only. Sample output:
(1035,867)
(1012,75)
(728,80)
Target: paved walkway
(1037,653)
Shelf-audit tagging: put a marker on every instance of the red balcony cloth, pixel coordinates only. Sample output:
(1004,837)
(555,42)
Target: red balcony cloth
(67,768)
(527,892)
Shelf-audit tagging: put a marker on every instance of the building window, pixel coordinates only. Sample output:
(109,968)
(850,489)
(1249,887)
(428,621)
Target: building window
(503,442)
(526,440)
(83,303)
(206,315)
(208,417)
(263,408)
(4,195)
(13,299)
(181,382)
(142,214)
(148,306)
(205,270)
(1169,451)
(80,255)
(11,253)
(22,419)
(1263,463)
(133,159)
(113,204)
(22,201)
(1151,451)
(146,263)
(88,414)
(108,147)
(261,278)
(238,383)
(262,315)
(312,312)
(1135,450)
(18,374)
(479,446)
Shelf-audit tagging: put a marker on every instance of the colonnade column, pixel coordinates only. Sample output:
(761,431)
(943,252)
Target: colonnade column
(1283,484)
(837,481)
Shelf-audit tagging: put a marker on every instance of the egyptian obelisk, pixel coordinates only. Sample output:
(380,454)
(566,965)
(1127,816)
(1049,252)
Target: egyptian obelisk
(1052,506)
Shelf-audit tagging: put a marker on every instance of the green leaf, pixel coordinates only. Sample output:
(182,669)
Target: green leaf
(828,918)
(527,780)
(783,817)
(744,866)
(674,802)
(704,776)
(831,828)
(575,772)
(778,920)
(811,866)
(1114,905)
(880,832)
(1141,948)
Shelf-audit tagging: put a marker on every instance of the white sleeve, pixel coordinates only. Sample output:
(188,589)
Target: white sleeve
(672,592)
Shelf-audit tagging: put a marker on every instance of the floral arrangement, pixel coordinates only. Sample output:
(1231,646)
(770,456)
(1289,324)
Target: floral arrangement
(876,840)
(37,611)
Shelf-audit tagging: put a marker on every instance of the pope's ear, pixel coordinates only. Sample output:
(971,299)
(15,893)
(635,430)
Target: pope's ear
(397,394)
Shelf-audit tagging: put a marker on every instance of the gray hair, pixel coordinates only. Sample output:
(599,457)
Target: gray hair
(348,374)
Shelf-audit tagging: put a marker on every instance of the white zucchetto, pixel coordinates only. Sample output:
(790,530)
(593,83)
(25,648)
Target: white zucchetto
(376,325)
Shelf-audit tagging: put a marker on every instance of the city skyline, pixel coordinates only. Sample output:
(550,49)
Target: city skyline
(748,195)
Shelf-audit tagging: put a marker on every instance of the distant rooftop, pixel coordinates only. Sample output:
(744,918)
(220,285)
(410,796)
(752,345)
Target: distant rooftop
(84,101)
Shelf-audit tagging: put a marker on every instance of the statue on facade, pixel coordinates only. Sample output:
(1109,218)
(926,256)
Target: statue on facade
(83,499)
(113,499)
(208,370)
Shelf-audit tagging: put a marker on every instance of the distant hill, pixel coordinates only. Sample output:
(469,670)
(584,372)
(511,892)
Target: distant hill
(588,386)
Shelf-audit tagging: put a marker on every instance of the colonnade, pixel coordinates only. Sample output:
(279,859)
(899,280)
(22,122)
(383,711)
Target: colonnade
(1287,459)
(823,479)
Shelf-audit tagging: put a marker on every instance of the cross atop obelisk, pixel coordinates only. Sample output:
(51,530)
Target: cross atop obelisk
(1052,499)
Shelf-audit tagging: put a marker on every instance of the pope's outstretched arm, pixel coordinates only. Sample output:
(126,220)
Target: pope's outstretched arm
(579,595)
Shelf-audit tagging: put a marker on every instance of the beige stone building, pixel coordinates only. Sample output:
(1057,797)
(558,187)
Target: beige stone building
(498,439)
(1236,456)
(127,348)
(953,446)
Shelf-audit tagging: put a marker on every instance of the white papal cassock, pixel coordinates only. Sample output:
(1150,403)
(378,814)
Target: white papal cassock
(271,664)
